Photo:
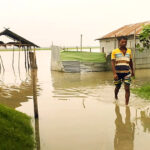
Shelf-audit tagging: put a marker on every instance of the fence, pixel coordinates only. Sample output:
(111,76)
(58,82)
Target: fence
(84,49)
(142,59)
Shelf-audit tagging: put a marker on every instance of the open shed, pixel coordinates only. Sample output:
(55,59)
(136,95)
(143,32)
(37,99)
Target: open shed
(22,44)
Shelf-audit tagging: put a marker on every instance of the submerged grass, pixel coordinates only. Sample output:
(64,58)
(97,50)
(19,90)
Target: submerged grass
(82,56)
(16,132)
(143,91)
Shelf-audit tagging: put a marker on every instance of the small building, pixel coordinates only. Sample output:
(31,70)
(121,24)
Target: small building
(109,41)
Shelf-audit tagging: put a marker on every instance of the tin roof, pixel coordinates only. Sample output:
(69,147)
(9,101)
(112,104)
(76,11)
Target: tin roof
(17,37)
(126,30)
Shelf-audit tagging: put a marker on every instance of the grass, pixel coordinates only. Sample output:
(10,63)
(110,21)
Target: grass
(82,56)
(16,132)
(143,91)
(82,48)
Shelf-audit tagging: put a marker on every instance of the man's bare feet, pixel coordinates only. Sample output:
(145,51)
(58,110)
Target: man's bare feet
(116,97)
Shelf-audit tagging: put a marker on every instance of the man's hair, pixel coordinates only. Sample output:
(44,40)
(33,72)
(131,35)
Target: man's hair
(122,37)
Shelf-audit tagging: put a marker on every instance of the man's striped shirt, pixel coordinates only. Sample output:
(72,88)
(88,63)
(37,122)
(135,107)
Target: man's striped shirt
(121,60)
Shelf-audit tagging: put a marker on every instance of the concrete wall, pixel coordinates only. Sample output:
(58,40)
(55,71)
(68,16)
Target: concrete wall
(108,45)
(142,59)
(76,66)
(56,64)
(71,66)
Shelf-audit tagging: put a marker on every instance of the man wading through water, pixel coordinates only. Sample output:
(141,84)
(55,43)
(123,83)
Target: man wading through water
(121,65)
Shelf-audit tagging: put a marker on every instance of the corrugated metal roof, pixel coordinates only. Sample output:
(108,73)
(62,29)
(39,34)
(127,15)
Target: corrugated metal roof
(17,37)
(126,30)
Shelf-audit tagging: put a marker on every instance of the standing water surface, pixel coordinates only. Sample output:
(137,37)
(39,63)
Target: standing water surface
(77,111)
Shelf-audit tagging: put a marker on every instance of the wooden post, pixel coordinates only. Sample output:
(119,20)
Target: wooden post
(13,62)
(28,57)
(32,57)
(34,81)
(81,43)
(37,134)
(35,103)
(77,48)
(13,58)
(90,50)
(115,45)
(19,61)
(25,58)
(2,63)
(35,65)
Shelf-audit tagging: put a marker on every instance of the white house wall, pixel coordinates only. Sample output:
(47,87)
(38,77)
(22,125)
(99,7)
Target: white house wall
(109,44)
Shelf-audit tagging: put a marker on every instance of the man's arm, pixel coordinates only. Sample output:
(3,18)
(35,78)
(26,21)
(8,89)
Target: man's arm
(113,69)
(131,66)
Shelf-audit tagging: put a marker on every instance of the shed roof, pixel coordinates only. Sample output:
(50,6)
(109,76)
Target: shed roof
(17,37)
(126,30)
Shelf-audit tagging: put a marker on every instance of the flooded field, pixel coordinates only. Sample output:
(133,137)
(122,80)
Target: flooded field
(76,111)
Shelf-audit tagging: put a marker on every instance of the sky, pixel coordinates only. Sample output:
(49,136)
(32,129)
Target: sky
(61,22)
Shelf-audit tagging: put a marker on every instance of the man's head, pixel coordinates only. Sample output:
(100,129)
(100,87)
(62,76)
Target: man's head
(122,41)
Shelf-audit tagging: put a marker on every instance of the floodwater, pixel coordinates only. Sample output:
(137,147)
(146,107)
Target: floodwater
(76,111)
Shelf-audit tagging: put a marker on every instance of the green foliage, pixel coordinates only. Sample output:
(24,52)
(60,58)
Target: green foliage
(16,132)
(82,56)
(143,91)
(144,38)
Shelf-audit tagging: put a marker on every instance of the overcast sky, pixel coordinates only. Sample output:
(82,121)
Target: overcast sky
(62,21)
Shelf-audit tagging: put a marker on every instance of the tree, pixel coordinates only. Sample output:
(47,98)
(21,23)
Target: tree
(144,38)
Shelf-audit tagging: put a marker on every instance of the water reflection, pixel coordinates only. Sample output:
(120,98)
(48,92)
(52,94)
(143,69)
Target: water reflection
(75,80)
(81,85)
(35,103)
(145,120)
(124,135)
(86,120)
(13,96)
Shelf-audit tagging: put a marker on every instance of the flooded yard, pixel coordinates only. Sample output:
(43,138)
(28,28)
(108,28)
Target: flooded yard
(76,111)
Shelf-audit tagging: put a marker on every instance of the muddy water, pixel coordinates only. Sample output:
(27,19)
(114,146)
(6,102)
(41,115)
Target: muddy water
(77,111)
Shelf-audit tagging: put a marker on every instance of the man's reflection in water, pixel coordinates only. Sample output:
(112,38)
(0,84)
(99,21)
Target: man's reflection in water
(124,136)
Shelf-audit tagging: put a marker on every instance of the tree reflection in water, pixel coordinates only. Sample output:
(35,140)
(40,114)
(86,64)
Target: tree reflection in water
(145,120)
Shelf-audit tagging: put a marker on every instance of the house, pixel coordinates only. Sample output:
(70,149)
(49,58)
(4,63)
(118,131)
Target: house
(109,41)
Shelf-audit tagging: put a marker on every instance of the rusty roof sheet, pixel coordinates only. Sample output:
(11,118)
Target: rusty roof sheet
(126,30)
(17,37)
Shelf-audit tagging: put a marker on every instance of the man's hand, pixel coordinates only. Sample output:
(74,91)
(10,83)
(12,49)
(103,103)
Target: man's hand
(115,76)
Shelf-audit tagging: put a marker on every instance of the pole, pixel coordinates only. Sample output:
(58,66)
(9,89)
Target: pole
(81,43)
(34,56)
(35,104)
(115,45)
(19,61)
(34,83)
